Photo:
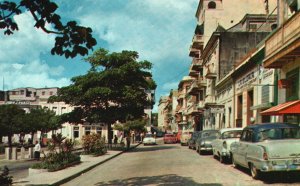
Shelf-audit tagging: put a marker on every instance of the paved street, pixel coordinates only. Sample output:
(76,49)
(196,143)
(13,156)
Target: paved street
(17,169)
(171,164)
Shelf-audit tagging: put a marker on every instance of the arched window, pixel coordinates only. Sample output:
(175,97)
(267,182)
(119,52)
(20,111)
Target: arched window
(212,5)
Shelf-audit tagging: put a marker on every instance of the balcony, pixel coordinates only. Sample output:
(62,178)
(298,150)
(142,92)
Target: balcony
(210,100)
(210,73)
(180,96)
(194,52)
(194,89)
(198,41)
(284,44)
(193,110)
(196,64)
(193,73)
(201,105)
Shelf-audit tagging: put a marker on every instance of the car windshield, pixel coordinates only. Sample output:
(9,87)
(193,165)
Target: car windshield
(208,134)
(232,134)
(279,133)
(149,136)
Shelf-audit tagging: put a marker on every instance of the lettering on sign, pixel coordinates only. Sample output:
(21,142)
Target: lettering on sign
(217,110)
(246,80)
(267,73)
(18,102)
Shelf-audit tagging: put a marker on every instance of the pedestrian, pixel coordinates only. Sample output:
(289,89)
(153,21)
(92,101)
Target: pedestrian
(133,137)
(142,136)
(37,150)
(115,140)
(154,134)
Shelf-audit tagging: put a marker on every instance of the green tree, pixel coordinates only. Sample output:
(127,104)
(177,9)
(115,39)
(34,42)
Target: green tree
(71,38)
(10,121)
(112,90)
(40,119)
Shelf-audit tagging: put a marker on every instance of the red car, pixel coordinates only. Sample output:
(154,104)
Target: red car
(170,138)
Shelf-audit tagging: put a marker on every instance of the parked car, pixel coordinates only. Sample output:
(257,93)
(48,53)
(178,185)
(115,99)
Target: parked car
(185,136)
(149,139)
(221,145)
(268,147)
(170,138)
(203,142)
(192,140)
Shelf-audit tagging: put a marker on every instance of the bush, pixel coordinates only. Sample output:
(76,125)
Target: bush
(60,155)
(5,179)
(94,144)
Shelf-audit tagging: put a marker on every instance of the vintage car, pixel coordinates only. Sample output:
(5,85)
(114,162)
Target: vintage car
(192,140)
(185,136)
(170,138)
(268,147)
(203,142)
(149,139)
(221,145)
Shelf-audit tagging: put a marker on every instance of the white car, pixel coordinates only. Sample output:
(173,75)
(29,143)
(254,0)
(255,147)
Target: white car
(149,140)
(221,145)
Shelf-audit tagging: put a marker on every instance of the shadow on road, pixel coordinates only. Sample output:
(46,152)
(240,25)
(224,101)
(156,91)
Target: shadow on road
(170,179)
(153,148)
(276,177)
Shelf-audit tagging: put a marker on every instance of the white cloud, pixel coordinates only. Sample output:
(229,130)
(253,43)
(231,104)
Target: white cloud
(154,28)
(20,54)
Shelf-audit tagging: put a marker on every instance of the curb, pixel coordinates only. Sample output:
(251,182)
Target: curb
(67,179)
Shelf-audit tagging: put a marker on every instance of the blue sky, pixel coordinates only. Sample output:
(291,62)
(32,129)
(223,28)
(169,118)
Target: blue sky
(160,30)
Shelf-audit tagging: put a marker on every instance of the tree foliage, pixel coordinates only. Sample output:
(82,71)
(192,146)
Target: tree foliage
(71,40)
(10,120)
(112,90)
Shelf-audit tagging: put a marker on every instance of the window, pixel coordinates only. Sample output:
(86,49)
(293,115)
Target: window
(212,5)
(76,132)
(22,92)
(87,130)
(292,89)
(43,93)
(99,130)
(50,93)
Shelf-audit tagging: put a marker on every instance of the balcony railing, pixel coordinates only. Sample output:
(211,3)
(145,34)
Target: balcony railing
(285,35)
(196,64)
(198,41)
(194,52)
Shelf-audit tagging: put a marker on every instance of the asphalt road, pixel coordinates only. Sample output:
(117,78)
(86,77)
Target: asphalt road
(172,164)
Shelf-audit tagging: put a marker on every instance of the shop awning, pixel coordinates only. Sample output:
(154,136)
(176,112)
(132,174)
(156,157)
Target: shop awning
(291,107)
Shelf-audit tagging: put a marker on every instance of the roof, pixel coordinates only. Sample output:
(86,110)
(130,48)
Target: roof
(291,107)
(229,129)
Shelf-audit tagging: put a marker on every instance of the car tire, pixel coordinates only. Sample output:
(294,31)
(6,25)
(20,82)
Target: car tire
(221,159)
(255,173)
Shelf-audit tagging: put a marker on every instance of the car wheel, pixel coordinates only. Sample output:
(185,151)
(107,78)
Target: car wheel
(255,173)
(221,159)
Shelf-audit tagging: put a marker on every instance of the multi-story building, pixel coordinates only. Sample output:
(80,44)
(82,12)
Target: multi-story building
(182,115)
(282,52)
(161,115)
(219,22)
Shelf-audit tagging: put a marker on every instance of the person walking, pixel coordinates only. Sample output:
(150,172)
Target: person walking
(115,140)
(37,150)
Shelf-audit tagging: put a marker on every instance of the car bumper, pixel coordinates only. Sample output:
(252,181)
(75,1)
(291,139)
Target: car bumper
(149,142)
(169,141)
(208,149)
(277,165)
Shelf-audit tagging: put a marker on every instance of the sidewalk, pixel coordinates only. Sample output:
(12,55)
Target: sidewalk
(59,177)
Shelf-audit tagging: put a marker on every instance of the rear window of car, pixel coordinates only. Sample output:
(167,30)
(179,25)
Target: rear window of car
(279,134)
(149,135)
(232,134)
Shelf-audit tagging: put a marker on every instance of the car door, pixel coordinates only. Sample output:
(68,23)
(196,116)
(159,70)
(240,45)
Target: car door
(216,143)
(245,146)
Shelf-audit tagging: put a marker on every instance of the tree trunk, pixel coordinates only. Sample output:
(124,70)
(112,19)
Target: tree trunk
(1,139)
(109,134)
(9,140)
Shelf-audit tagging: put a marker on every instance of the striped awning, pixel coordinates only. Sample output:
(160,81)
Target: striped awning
(291,107)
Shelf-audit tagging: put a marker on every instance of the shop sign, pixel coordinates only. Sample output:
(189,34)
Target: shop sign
(217,110)
(246,80)
(18,102)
